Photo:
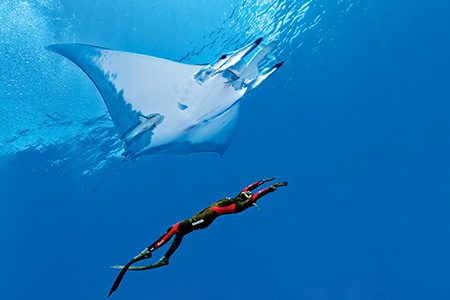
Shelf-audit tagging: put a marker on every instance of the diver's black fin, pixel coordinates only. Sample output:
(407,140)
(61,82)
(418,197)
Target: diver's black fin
(141,256)
(120,276)
(160,263)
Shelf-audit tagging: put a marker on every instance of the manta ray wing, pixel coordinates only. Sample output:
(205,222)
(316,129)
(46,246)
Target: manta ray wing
(134,86)
(130,84)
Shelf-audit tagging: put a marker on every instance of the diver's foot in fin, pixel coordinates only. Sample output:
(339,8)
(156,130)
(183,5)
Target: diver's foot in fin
(164,261)
(160,263)
(278,184)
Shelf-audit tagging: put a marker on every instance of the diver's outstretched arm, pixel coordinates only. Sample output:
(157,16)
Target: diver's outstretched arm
(253,186)
(263,192)
(242,205)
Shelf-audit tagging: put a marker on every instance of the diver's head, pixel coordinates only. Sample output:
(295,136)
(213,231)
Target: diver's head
(244,195)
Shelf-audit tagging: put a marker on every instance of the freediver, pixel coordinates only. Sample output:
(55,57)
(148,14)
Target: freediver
(203,219)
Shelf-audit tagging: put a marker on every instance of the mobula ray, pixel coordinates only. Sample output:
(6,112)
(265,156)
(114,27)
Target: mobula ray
(163,106)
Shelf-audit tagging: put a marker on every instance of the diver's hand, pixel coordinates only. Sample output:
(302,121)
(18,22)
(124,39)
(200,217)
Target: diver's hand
(278,184)
(268,179)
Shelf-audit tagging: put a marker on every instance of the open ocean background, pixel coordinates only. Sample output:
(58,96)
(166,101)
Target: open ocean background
(357,120)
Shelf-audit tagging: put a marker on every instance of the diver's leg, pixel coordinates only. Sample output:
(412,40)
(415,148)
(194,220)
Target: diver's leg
(183,228)
(175,244)
(164,261)
(164,238)
(179,230)
(147,252)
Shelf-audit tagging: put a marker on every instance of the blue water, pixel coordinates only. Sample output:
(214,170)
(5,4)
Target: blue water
(357,121)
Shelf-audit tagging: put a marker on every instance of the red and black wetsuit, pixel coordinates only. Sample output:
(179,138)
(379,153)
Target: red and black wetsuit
(201,220)
(205,218)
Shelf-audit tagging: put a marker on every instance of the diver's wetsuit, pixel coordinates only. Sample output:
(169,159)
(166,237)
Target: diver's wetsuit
(205,218)
(201,220)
